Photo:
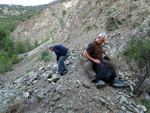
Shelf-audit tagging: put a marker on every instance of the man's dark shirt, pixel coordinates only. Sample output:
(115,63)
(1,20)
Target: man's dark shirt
(95,50)
(60,50)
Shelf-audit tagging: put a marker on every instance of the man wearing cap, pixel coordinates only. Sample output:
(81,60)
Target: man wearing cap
(94,53)
(62,54)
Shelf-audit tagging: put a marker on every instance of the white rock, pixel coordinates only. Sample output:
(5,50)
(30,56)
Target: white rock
(26,94)
(141,107)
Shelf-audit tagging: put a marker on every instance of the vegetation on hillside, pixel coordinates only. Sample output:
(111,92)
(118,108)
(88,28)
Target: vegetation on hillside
(8,21)
(138,57)
(9,52)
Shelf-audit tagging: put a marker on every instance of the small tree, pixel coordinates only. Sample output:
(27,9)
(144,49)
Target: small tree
(27,45)
(36,43)
(2,33)
(10,51)
(6,46)
(15,59)
(137,55)
(20,48)
(4,64)
(6,42)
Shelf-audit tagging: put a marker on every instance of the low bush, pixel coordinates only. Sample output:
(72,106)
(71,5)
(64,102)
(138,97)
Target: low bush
(15,59)
(63,12)
(137,55)
(111,24)
(146,103)
(90,27)
(108,12)
(45,56)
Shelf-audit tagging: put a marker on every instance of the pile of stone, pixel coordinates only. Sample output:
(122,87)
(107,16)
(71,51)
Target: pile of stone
(71,93)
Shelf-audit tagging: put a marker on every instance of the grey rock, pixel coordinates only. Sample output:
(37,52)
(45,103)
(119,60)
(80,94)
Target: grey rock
(17,81)
(54,78)
(35,81)
(141,107)
(136,110)
(57,97)
(86,84)
(123,108)
(120,111)
(40,94)
(46,99)
(41,70)
(35,76)
(26,94)
(102,101)
(47,74)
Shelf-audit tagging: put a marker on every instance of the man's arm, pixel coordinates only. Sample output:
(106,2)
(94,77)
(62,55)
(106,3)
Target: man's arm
(57,52)
(86,54)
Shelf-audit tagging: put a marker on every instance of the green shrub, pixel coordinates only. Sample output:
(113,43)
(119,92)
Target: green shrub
(111,24)
(44,56)
(146,103)
(27,45)
(4,65)
(6,42)
(2,32)
(28,70)
(6,46)
(47,58)
(137,55)
(36,43)
(94,25)
(108,12)
(25,55)
(63,12)
(15,59)
(21,76)
(38,57)
(60,20)
(19,47)
(10,52)
(4,55)
(88,28)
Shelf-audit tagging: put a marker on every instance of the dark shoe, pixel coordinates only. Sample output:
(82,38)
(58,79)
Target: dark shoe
(119,84)
(65,71)
(61,74)
(100,83)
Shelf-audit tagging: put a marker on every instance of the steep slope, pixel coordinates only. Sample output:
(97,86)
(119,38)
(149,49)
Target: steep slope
(44,90)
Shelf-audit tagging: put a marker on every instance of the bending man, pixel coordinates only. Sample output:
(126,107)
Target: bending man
(62,54)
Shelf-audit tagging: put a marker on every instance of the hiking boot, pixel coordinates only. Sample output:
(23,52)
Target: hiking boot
(100,83)
(119,84)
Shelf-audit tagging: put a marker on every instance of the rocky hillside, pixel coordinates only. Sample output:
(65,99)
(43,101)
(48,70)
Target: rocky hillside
(43,90)
(18,13)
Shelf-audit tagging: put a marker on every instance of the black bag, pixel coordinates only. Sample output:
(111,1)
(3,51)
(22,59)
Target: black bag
(104,72)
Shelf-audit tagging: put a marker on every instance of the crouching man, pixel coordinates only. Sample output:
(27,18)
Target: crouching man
(94,53)
(62,54)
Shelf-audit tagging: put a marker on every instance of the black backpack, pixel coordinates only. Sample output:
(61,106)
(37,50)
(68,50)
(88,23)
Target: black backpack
(104,72)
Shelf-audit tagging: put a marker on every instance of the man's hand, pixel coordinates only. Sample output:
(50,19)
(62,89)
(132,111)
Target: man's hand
(106,54)
(57,61)
(97,61)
